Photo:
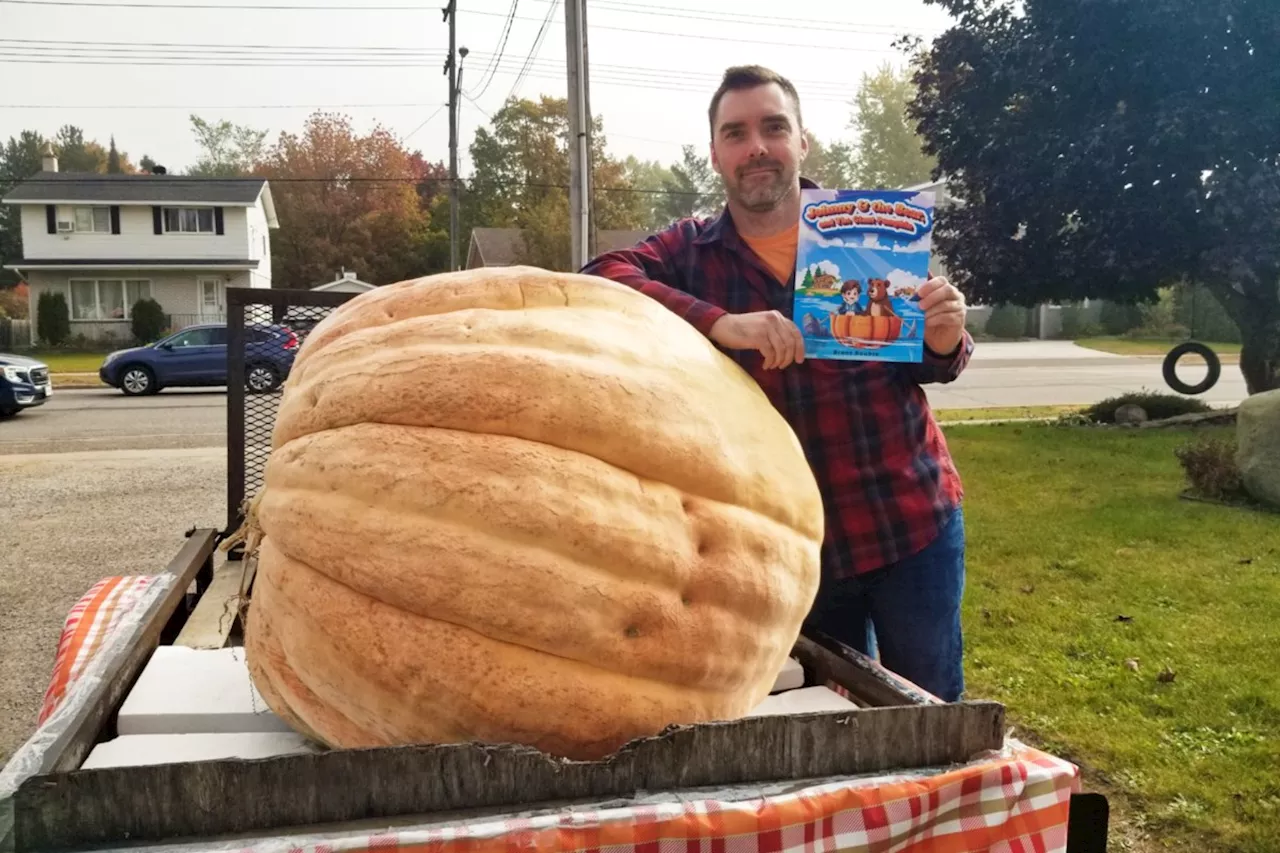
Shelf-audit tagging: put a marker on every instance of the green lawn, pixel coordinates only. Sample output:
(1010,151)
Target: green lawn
(1228,353)
(69,362)
(1002,413)
(1071,529)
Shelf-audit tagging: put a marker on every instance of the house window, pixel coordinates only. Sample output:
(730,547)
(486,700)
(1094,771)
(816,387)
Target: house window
(106,299)
(188,220)
(88,220)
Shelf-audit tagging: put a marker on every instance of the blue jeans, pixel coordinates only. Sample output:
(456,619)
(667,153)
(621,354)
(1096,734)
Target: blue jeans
(910,608)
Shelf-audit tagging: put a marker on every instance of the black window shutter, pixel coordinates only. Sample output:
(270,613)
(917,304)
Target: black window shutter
(157,220)
(115,219)
(217,220)
(51,218)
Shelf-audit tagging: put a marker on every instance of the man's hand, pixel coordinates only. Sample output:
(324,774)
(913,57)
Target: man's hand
(944,313)
(777,338)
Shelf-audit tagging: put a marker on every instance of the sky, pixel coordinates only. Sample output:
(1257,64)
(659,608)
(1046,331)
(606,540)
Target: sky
(138,68)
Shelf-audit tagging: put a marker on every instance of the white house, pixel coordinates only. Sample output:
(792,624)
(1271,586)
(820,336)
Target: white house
(106,241)
(346,282)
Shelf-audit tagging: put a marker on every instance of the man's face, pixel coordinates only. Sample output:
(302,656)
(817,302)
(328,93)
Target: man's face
(758,146)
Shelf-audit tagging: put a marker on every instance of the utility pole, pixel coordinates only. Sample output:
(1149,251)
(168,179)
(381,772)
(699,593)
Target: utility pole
(590,155)
(453,68)
(579,123)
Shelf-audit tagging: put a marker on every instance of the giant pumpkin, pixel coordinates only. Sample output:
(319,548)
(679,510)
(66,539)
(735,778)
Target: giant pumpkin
(516,506)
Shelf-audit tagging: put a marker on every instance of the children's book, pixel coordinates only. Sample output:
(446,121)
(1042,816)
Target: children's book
(861,258)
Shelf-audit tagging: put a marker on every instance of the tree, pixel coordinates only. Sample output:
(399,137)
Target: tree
(889,151)
(113,158)
(76,154)
(20,158)
(695,188)
(230,150)
(53,319)
(344,201)
(1110,153)
(15,301)
(650,180)
(521,177)
(831,165)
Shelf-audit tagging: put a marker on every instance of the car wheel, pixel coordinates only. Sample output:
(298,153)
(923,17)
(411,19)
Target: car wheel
(137,380)
(8,413)
(260,378)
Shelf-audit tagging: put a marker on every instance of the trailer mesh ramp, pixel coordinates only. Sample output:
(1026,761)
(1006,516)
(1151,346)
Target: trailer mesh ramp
(265,329)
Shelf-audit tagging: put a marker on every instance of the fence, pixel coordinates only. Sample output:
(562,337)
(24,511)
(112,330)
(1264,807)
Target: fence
(251,417)
(14,334)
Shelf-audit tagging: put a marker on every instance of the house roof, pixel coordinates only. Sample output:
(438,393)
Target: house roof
(52,187)
(501,247)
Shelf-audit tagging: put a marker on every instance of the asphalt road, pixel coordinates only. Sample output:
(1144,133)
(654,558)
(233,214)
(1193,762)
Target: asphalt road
(71,519)
(1017,374)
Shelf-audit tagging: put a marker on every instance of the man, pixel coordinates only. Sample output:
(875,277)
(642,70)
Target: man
(894,548)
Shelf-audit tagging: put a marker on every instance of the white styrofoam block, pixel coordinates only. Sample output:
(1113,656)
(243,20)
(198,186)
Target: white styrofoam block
(195,691)
(136,750)
(791,677)
(807,700)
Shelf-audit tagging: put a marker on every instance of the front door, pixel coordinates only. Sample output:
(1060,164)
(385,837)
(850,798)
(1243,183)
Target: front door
(213,305)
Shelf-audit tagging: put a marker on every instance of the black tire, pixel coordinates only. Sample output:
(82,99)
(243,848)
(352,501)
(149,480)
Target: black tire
(8,413)
(261,378)
(137,380)
(1171,368)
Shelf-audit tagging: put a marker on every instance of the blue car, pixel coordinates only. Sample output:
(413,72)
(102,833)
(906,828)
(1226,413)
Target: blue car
(197,357)
(24,382)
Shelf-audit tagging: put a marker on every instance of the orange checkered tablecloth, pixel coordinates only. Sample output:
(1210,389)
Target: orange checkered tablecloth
(1013,801)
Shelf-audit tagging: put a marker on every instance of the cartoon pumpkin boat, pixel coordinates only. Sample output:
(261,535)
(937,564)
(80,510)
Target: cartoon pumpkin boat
(877,327)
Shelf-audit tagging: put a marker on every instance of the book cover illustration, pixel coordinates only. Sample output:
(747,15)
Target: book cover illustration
(861,258)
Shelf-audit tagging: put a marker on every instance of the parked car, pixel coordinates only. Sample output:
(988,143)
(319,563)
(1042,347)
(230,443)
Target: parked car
(197,357)
(24,382)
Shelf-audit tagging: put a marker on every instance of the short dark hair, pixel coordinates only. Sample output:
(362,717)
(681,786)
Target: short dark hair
(748,77)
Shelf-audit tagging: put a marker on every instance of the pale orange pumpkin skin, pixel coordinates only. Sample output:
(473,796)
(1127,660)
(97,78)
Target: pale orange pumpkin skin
(516,506)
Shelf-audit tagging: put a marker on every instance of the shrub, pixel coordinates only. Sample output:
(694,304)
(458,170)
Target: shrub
(1117,319)
(53,320)
(1196,308)
(148,321)
(1007,321)
(1155,404)
(1210,466)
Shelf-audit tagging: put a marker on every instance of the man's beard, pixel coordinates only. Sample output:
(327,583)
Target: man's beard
(760,196)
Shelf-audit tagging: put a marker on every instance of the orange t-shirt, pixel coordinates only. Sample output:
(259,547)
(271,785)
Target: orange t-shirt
(778,251)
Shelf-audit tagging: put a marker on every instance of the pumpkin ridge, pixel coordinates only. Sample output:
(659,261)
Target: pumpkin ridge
(548,642)
(813,517)
(462,704)
(694,494)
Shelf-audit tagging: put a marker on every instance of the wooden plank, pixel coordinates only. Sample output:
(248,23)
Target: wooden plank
(77,740)
(831,661)
(202,799)
(215,615)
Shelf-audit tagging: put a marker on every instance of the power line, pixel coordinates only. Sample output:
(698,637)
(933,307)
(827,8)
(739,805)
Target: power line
(219,6)
(361,179)
(487,76)
(675,79)
(704,37)
(752,19)
(537,46)
(425,122)
(237,47)
(208,106)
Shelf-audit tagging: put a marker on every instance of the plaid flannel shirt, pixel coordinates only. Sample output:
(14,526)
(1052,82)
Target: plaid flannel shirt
(887,479)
